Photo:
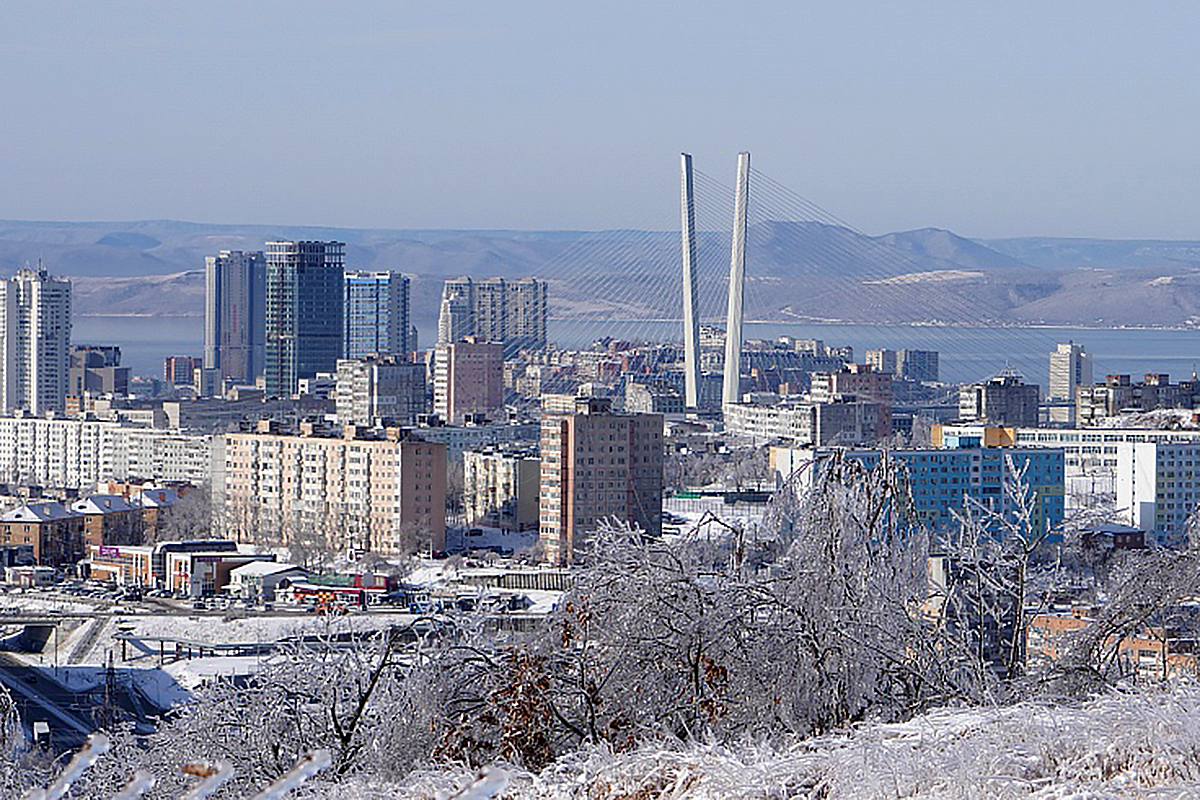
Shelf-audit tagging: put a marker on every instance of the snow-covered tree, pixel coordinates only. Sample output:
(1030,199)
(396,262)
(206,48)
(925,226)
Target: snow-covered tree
(818,623)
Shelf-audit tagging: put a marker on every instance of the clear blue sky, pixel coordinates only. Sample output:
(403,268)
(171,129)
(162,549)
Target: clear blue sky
(991,119)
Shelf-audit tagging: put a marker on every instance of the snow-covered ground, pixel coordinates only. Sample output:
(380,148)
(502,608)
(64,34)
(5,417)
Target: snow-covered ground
(191,673)
(1117,746)
(460,540)
(162,687)
(140,649)
(700,516)
(42,602)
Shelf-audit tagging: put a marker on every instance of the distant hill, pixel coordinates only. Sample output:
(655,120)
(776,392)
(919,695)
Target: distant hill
(795,270)
(1118,254)
(953,250)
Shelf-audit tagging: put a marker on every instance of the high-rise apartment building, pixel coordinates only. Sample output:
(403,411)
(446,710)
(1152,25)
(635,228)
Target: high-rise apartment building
(489,307)
(917,365)
(35,341)
(181,370)
(881,360)
(468,379)
(304,320)
(235,307)
(495,309)
(1070,368)
(526,313)
(597,465)
(376,315)
(1003,400)
(380,389)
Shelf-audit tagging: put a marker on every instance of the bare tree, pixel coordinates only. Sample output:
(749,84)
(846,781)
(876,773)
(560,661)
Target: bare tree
(189,518)
(312,537)
(361,703)
(1148,594)
(730,635)
(455,488)
(987,564)
(21,766)
(749,467)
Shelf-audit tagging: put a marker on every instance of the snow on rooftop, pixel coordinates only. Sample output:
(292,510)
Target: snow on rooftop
(191,673)
(152,498)
(1159,419)
(101,504)
(37,512)
(260,568)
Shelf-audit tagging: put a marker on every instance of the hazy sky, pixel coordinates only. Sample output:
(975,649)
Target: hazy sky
(991,119)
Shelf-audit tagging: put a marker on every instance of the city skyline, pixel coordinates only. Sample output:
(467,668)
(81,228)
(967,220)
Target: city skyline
(489,455)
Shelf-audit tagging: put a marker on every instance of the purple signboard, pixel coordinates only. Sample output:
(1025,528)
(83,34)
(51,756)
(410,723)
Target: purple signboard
(110,552)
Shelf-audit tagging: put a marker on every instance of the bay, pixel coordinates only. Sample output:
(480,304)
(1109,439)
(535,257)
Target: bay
(967,353)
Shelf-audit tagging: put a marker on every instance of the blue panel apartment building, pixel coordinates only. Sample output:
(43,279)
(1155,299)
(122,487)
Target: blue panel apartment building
(963,473)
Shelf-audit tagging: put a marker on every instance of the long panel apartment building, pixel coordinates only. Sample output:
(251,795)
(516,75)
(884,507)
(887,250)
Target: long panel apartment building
(1150,477)
(341,492)
(946,482)
(67,455)
(846,420)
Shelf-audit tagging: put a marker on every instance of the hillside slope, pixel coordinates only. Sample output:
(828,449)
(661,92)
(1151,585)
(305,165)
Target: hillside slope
(1116,746)
(795,271)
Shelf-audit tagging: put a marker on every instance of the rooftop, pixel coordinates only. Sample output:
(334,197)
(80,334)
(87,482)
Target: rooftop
(260,568)
(38,512)
(101,504)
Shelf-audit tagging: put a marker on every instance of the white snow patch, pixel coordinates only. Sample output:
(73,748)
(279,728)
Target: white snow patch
(932,276)
(1159,419)
(194,672)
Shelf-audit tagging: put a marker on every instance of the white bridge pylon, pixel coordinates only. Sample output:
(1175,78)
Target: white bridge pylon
(731,385)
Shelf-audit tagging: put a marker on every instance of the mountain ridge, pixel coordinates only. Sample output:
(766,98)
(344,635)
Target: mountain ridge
(794,270)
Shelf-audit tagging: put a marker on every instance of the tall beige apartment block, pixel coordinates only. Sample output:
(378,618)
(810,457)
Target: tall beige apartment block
(597,465)
(468,379)
(500,488)
(384,495)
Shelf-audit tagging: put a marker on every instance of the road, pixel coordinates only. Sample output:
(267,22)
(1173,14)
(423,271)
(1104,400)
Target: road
(85,644)
(39,697)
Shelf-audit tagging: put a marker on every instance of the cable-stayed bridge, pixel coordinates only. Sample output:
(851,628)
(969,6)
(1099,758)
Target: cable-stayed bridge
(810,274)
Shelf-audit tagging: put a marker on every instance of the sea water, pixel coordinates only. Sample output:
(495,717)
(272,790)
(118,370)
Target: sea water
(967,353)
